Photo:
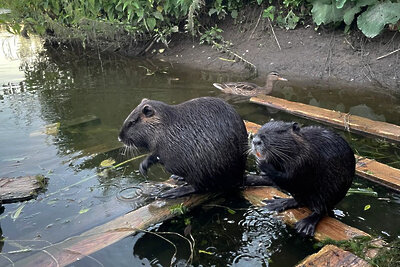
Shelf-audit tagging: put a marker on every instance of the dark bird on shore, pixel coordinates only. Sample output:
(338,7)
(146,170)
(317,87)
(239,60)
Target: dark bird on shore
(250,89)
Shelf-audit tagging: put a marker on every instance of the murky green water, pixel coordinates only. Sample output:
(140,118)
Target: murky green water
(61,86)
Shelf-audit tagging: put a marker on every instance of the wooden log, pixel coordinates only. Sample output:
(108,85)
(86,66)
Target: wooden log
(75,248)
(53,128)
(332,256)
(327,228)
(337,119)
(366,168)
(20,188)
(81,121)
(378,172)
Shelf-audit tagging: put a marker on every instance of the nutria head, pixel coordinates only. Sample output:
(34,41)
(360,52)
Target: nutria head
(142,125)
(277,141)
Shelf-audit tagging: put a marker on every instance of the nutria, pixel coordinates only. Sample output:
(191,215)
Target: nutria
(315,165)
(203,140)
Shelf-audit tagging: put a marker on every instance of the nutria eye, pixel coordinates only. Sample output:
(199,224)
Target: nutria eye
(148,111)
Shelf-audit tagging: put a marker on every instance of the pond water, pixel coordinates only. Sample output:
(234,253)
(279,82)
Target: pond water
(43,87)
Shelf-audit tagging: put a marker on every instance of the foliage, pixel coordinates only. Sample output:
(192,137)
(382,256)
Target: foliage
(286,16)
(371,20)
(211,35)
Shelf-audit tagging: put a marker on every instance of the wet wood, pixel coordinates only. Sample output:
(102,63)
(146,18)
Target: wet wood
(332,256)
(366,168)
(378,172)
(327,228)
(75,248)
(81,121)
(337,119)
(53,128)
(20,188)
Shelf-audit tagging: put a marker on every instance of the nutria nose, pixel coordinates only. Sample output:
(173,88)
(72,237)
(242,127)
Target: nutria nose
(257,141)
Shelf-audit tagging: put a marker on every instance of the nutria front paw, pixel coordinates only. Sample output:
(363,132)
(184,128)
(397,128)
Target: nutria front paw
(280,204)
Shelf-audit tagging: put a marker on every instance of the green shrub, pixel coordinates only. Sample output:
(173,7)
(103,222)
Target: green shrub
(373,14)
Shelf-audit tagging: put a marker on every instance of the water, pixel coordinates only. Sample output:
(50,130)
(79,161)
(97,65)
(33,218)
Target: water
(55,86)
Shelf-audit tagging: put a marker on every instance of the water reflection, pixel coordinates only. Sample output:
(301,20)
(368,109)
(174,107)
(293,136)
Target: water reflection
(59,86)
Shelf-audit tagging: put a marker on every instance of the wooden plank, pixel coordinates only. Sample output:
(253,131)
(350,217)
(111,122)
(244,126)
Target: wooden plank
(327,228)
(81,121)
(335,118)
(20,188)
(53,128)
(366,168)
(378,172)
(75,248)
(332,256)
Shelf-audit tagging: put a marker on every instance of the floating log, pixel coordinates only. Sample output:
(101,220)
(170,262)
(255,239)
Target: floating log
(328,227)
(366,168)
(81,121)
(337,119)
(77,247)
(20,188)
(53,128)
(333,256)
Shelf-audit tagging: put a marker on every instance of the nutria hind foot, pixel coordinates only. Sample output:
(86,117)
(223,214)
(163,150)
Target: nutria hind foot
(306,226)
(280,204)
(178,192)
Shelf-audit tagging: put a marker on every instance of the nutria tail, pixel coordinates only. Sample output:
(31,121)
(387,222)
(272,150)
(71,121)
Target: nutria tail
(219,86)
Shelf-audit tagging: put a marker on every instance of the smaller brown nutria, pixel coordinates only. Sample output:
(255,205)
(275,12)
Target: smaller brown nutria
(203,141)
(315,165)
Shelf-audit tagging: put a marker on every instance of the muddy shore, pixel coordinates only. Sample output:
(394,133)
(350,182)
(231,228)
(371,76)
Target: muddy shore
(306,53)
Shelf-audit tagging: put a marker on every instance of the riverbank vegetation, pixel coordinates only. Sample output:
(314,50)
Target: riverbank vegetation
(124,22)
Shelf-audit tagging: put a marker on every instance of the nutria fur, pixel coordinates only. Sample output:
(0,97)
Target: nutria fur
(203,140)
(315,165)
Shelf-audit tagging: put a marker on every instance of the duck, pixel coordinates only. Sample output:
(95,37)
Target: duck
(250,89)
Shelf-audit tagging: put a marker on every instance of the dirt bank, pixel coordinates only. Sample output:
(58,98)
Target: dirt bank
(305,52)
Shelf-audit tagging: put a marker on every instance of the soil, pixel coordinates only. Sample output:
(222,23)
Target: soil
(305,52)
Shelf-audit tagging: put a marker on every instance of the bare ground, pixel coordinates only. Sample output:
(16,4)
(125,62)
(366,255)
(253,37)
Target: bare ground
(305,52)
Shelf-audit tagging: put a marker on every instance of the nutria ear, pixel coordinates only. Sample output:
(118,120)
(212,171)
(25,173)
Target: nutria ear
(148,111)
(143,100)
(296,127)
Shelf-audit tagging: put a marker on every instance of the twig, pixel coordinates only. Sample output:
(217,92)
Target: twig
(388,54)
(258,21)
(273,32)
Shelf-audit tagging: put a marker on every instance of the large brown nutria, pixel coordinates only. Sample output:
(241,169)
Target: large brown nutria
(203,140)
(315,165)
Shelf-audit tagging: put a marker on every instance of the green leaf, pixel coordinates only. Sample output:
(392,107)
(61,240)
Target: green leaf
(234,14)
(340,3)
(107,162)
(367,207)
(158,15)
(17,212)
(84,210)
(259,2)
(151,22)
(350,12)
(326,12)
(373,20)
(231,211)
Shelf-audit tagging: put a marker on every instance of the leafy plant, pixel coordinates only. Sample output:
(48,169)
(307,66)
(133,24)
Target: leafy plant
(371,21)
(211,35)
